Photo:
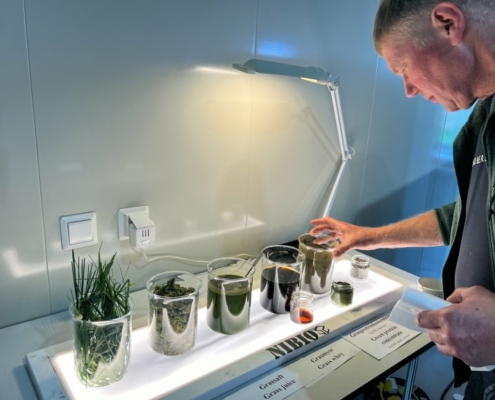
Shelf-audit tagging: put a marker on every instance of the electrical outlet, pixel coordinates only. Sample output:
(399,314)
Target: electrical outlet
(135,225)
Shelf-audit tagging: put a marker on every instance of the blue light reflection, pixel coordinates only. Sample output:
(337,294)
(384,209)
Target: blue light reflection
(275,49)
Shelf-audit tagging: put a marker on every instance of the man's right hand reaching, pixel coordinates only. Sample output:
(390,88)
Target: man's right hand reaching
(350,236)
(419,231)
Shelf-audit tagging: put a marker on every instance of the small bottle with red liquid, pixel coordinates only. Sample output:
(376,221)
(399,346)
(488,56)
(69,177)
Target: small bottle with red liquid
(302,306)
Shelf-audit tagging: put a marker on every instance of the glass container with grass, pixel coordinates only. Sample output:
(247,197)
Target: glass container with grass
(101,310)
(173,298)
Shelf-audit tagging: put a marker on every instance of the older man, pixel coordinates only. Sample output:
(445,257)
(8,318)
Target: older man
(445,51)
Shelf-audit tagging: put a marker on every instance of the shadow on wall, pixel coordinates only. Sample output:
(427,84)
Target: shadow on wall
(398,206)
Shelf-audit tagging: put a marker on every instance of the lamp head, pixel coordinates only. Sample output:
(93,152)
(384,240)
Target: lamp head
(311,74)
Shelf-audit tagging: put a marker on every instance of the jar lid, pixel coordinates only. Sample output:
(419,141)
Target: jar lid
(344,285)
(360,261)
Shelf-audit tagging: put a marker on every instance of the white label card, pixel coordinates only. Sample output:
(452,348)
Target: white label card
(329,358)
(299,374)
(277,385)
(380,337)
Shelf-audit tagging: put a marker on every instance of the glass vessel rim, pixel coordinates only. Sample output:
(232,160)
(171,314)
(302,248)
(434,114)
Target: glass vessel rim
(199,283)
(105,321)
(303,295)
(343,283)
(299,253)
(210,270)
(359,260)
(326,247)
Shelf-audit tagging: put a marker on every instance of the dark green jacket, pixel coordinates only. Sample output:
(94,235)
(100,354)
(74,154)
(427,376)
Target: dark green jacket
(451,217)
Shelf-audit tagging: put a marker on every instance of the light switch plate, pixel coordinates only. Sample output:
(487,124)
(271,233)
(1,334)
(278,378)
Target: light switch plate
(78,230)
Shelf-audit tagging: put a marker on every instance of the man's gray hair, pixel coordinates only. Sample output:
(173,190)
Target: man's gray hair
(409,20)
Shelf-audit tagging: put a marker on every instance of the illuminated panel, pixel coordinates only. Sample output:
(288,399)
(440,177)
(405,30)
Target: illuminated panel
(152,375)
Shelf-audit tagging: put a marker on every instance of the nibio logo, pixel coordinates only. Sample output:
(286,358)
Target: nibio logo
(298,341)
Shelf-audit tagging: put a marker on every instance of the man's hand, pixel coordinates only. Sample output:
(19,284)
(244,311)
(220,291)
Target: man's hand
(466,329)
(419,231)
(350,236)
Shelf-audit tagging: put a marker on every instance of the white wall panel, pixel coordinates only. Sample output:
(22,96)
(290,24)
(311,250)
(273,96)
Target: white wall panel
(137,103)
(401,165)
(302,151)
(24,283)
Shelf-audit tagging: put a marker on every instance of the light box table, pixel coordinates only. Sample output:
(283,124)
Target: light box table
(220,364)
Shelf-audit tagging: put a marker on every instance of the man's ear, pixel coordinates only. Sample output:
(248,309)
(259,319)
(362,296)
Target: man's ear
(448,22)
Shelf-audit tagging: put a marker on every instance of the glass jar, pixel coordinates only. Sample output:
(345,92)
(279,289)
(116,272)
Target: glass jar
(230,281)
(173,312)
(342,292)
(101,348)
(302,306)
(360,266)
(319,264)
(280,277)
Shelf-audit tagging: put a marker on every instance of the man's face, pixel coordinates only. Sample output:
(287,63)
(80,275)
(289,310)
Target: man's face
(439,72)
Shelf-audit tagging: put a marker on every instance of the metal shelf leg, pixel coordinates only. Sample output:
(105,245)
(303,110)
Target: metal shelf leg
(411,375)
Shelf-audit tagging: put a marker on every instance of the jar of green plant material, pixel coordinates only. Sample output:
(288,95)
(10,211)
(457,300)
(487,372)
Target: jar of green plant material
(100,309)
(342,292)
(230,281)
(173,312)
(360,266)
(101,348)
(318,266)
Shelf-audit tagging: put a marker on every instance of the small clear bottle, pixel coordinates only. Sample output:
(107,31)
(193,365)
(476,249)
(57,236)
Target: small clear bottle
(360,265)
(342,292)
(302,306)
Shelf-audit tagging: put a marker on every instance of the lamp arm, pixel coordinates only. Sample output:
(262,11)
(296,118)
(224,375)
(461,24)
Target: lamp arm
(335,187)
(333,88)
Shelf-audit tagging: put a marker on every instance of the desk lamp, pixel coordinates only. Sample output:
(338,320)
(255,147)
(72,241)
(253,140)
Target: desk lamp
(321,77)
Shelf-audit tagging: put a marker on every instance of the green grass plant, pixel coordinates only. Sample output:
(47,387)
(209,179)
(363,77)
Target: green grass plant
(101,348)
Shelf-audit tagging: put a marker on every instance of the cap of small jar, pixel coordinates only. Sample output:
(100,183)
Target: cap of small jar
(360,261)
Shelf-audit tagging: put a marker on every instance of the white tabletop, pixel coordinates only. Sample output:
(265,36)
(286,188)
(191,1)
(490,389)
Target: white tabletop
(50,335)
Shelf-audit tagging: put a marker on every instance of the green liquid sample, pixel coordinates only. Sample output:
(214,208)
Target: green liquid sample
(342,293)
(228,304)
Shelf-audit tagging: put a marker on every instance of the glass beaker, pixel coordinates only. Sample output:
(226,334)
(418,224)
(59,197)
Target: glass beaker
(230,281)
(280,277)
(342,292)
(318,267)
(101,348)
(173,312)
(302,306)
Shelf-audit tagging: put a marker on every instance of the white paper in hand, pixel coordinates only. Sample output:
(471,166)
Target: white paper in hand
(411,303)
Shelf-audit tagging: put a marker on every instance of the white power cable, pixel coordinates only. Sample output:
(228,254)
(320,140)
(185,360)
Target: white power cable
(177,258)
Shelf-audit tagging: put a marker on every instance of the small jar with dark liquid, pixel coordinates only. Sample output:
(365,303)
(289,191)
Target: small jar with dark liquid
(342,292)
(302,306)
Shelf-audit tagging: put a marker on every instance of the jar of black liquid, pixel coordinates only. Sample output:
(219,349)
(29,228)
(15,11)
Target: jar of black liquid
(342,292)
(230,281)
(280,277)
